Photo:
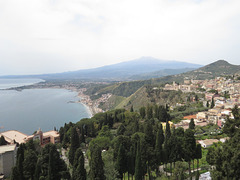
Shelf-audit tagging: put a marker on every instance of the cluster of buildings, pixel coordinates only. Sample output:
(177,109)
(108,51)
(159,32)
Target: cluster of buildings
(224,92)
(8,152)
(221,84)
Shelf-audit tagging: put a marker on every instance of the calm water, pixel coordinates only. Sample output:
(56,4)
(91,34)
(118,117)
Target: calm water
(11,83)
(31,109)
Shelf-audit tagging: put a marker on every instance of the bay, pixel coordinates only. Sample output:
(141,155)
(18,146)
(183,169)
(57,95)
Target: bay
(31,109)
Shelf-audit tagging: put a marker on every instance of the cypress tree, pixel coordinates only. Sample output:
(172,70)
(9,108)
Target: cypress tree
(3,141)
(189,147)
(121,163)
(138,164)
(74,145)
(131,110)
(191,124)
(79,172)
(142,112)
(207,104)
(96,164)
(198,154)
(158,147)
(20,167)
(149,112)
(50,166)
(167,131)
(15,173)
(212,103)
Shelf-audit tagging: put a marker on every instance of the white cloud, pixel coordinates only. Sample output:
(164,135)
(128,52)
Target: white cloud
(40,36)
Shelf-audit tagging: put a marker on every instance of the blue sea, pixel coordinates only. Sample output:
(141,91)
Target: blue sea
(31,109)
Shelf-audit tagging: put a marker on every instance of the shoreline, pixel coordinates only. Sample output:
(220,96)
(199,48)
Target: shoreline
(84,99)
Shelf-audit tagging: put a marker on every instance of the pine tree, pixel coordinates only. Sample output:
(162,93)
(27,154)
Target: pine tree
(74,145)
(96,164)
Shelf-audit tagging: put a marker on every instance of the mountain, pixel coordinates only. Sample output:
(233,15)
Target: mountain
(124,70)
(218,68)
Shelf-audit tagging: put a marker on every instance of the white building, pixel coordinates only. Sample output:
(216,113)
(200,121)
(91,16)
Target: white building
(8,155)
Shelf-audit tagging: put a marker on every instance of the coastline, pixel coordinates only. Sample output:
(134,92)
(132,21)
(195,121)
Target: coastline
(91,106)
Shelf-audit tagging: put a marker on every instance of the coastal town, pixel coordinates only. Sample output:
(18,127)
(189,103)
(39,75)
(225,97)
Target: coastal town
(221,95)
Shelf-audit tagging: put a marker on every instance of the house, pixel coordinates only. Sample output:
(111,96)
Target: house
(207,142)
(7,159)
(45,138)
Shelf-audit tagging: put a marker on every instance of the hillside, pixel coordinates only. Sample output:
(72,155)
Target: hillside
(135,92)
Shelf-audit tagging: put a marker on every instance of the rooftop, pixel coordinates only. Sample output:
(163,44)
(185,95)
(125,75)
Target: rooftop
(51,133)
(14,135)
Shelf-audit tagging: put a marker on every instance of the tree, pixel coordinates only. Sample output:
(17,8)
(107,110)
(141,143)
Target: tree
(212,103)
(196,97)
(74,145)
(192,124)
(198,154)
(142,112)
(79,172)
(20,167)
(189,147)
(138,164)
(15,173)
(3,141)
(131,110)
(149,112)
(207,104)
(159,144)
(121,163)
(29,164)
(96,164)
(50,166)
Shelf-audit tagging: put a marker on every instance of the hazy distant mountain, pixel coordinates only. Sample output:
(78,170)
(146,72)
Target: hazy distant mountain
(123,70)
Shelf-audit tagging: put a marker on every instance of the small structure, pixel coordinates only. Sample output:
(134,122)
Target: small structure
(208,142)
(7,159)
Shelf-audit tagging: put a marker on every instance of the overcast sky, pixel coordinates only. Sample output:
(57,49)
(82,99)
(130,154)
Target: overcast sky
(43,36)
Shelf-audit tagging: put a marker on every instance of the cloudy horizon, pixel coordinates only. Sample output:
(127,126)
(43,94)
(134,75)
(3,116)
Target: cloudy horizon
(50,36)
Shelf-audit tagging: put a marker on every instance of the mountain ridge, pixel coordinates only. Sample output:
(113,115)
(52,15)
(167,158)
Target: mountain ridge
(119,71)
